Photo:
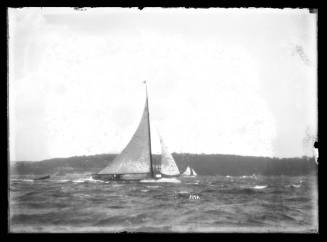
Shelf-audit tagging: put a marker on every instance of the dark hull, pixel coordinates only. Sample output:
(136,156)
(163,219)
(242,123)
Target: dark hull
(42,178)
(167,176)
(120,177)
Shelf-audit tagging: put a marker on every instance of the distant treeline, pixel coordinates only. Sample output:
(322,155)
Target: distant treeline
(203,164)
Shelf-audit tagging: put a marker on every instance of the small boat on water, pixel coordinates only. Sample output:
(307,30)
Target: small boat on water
(189,172)
(41,178)
(135,162)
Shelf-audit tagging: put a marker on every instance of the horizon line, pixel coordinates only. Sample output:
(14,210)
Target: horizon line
(68,157)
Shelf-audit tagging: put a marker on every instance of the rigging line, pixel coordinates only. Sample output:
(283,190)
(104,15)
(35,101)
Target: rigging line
(150,153)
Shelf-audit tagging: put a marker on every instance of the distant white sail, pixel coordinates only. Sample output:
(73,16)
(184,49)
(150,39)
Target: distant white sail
(135,158)
(194,173)
(168,164)
(187,172)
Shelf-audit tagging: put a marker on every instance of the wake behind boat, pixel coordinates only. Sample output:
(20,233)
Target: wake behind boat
(135,161)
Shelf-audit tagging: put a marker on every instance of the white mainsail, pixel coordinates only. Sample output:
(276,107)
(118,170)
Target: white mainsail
(135,158)
(168,164)
(187,172)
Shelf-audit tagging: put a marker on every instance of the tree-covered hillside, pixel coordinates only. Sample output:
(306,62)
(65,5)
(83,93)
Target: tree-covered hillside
(204,164)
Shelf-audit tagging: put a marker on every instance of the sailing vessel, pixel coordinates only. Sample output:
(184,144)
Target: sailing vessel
(135,161)
(189,172)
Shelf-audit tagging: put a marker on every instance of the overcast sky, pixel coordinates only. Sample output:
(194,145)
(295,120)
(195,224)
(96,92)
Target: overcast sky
(227,81)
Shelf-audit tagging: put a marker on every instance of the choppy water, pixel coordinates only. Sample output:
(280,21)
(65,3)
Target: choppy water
(201,204)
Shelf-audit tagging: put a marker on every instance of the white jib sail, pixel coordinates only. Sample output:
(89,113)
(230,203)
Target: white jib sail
(187,172)
(135,158)
(168,164)
(194,173)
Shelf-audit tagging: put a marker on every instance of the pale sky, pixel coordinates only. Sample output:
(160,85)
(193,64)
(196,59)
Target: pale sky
(224,81)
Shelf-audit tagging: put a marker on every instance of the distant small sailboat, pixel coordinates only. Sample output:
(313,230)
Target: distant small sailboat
(189,172)
(135,161)
(194,173)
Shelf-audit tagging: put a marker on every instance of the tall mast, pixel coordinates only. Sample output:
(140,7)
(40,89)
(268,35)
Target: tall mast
(147,104)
